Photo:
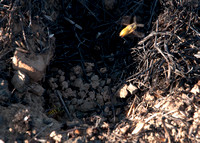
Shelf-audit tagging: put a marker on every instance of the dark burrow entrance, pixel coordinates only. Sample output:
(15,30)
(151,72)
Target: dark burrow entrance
(91,60)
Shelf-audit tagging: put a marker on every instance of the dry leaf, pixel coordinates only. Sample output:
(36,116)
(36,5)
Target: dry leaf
(122,92)
(132,89)
(131,109)
(125,128)
(139,127)
(195,90)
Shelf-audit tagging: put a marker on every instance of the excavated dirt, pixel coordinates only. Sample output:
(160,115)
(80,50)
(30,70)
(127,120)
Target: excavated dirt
(67,73)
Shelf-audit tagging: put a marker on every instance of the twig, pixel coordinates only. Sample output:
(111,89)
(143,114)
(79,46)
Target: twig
(195,30)
(49,125)
(89,10)
(131,108)
(63,103)
(129,79)
(151,117)
(23,32)
(152,13)
(166,131)
(29,14)
(159,50)
(73,23)
(153,34)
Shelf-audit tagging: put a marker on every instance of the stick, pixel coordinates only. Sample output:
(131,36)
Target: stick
(49,125)
(89,10)
(166,131)
(153,34)
(57,92)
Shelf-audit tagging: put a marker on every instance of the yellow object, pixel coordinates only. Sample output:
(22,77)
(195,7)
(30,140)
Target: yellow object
(128,30)
(54,111)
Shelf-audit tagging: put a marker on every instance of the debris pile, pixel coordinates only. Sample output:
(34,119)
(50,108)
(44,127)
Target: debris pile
(167,67)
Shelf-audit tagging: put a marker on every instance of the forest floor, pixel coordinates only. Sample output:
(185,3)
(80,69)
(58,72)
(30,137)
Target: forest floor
(104,71)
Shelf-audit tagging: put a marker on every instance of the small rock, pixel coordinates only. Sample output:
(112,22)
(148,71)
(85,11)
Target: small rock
(87,106)
(89,67)
(102,83)
(74,101)
(79,101)
(20,81)
(82,94)
(95,81)
(105,93)
(4,92)
(33,65)
(100,99)
(52,83)
(95,84)
(72,77)
(78,82)
(64,85)
(36,89)
(91,95)
(109,4)
(94,78)
(85,87)
(61,78)
(77,70)
(69,93)
(61,73)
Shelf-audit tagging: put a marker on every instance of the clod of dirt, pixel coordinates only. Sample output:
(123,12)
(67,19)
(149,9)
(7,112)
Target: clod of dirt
(20,81)
(61,79)
(64,85)
(78,83)
(52,83)
(87,106)
(4,92)
(109,4)
(100,100)
(89,67)
(77,70)
(36,89)
(33,65)
(95,81)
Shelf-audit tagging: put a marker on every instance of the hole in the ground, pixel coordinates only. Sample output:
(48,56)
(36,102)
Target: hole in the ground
(91,61)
